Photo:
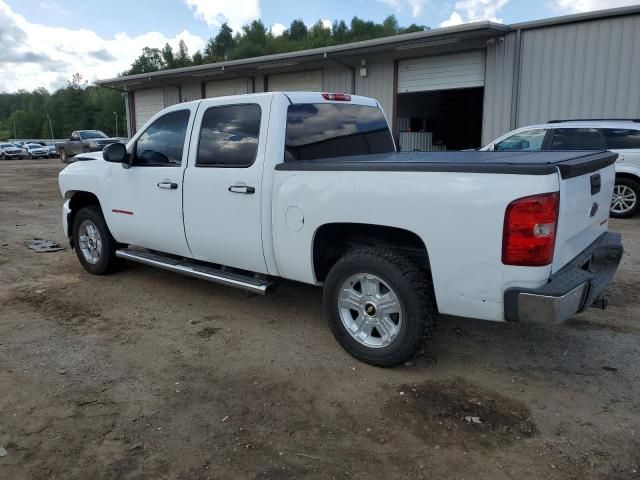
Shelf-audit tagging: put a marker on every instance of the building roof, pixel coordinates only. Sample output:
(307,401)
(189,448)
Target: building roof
(424,38)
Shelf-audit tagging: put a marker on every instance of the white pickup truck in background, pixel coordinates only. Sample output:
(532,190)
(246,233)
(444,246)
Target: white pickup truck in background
(308,187)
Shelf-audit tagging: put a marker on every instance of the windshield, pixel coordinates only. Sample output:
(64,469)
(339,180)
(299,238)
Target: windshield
(7,145)
(34,145)
(87,134)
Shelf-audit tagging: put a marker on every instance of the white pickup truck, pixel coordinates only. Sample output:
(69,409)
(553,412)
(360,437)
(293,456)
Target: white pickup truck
(308,186)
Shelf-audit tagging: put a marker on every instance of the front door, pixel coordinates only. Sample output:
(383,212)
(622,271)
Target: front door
(223,183)
(146,199)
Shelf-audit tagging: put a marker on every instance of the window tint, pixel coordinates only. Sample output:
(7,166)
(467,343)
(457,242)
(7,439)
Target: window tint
(527,141)
(229,136)
(162,143)
(576,139)
(621,138)
(325,130)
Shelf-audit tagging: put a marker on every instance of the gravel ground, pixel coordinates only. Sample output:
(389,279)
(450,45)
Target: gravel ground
(147,374)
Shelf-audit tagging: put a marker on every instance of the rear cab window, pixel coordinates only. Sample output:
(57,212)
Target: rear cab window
(317,131)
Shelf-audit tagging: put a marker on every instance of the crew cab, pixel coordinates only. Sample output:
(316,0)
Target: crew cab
(248,189)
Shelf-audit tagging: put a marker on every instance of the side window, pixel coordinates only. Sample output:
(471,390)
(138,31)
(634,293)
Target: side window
(75,137)
(162,143)
(576,139)
(229,136)
(527,141)
(621,138)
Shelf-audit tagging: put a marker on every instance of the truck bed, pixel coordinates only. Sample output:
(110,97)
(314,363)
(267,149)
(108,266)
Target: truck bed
(569,163)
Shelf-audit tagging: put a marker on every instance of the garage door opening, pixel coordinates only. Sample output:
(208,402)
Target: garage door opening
(440,119)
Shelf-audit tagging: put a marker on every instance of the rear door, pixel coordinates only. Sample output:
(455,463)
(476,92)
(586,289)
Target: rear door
(223,183)
(585,196)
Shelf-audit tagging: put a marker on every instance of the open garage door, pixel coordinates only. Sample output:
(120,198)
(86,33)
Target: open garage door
(440,102)
(309,81)
(445,72)
(221,88)
(147,103)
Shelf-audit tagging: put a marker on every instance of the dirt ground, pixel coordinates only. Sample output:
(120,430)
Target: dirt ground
(147,374)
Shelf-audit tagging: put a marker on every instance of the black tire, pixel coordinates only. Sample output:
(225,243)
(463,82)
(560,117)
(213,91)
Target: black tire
(633,185)
(414,289)
(63,156)
(108,262)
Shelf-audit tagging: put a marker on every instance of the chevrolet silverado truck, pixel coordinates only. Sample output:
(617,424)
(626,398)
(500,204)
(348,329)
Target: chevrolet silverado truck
(309,187)
(83,141)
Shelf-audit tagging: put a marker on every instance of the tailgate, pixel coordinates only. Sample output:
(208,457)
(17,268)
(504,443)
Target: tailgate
(586,187)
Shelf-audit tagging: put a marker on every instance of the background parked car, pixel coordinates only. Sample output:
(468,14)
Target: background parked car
(35,150)
(83,141)
(9,151)
(620,136)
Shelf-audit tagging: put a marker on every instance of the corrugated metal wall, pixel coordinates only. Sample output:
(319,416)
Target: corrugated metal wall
(191,90)
(581,70)
(378,83)
(171,95)
(498,88)
(336,78)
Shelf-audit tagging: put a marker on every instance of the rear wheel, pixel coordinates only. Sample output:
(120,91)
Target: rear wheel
(63,156)
(380,305)
(94,245)
(626,198)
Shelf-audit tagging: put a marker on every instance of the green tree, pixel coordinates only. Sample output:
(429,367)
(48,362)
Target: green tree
(297,31)
(182,59)
(197,58)
(149,61)
(168,60)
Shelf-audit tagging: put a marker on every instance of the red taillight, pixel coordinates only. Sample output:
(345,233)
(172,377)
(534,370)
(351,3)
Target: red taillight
(529,234)
(338,97)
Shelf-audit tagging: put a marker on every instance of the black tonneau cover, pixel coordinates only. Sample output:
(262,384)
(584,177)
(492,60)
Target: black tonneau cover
(568,163)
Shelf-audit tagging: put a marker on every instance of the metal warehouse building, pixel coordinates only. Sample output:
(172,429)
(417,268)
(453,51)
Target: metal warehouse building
(446,88)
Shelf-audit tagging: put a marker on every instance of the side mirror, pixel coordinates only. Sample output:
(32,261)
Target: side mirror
(115,153)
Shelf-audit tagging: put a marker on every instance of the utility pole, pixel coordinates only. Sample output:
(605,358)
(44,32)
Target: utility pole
(50,126)
(116,115)
(15,132)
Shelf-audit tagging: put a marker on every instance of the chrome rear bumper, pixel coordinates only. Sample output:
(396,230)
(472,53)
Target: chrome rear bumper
(577,286)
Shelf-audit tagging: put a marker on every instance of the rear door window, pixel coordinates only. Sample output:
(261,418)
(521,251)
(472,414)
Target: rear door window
(621,139)
(229,136)
(326,130)
(527,141)
(577,139)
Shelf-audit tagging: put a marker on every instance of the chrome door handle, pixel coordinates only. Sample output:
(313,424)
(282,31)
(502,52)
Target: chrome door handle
(242,189)
(168,185)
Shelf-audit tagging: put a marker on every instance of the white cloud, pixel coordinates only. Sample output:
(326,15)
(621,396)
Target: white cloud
(35,55)
(465,11)
(216,12)
(278,29)
(416,6)
(326,23)
(578,6)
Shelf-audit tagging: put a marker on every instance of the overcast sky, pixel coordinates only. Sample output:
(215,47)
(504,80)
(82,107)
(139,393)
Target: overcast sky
(43,42)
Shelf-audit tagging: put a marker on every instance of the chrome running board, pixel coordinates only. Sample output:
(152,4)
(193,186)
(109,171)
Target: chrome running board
(216,275)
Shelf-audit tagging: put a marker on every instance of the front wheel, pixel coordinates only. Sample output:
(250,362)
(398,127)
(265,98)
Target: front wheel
(380,305)
(94,245)
(626,195)
(63,156)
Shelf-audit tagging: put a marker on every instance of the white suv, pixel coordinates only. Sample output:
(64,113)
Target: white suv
(620,136)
